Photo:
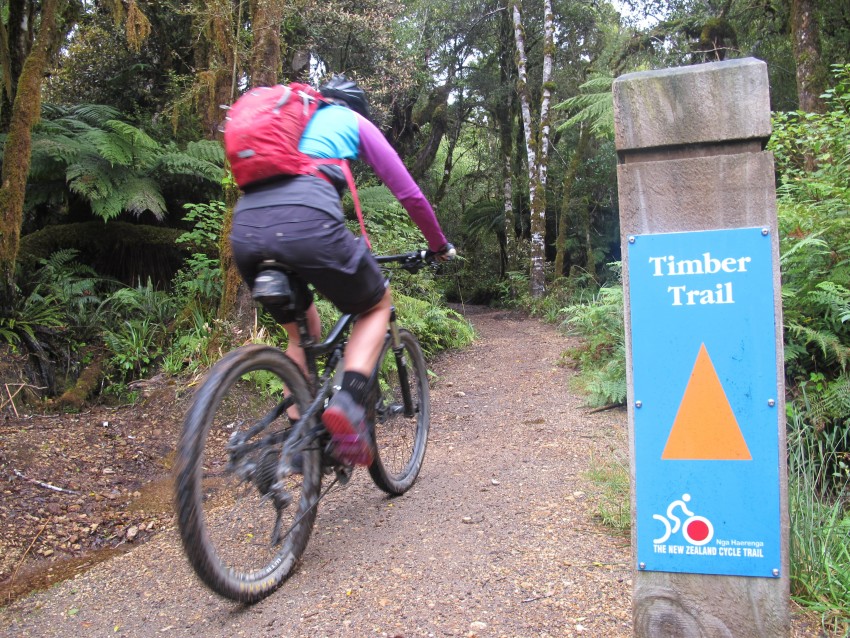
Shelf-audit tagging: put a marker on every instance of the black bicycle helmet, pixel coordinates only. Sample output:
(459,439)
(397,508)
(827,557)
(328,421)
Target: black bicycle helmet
(342,90)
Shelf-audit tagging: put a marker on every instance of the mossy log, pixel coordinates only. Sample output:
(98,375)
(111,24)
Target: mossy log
(75,397)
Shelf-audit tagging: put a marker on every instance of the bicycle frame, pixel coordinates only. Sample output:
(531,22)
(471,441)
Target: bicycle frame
(333,348)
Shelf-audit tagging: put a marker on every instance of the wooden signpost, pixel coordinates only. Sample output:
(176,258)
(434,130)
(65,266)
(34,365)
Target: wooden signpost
(704,348)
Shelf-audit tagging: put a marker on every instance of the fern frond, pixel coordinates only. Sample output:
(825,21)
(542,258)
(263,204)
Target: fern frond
(142,194)
(207,150)
(92,114)
(485,217)
(92,181)
(835,297)
(50,155)
(136,137)
(594,105)
(111,148)
(109,206)
(182,164)
(827,342)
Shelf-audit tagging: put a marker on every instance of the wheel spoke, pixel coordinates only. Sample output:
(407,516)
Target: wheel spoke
(242,534)
(400,438)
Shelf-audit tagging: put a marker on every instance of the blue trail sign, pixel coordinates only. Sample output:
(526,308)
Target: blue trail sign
(705,383)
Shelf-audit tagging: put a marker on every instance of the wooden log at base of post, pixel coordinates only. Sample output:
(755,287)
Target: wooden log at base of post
(690,144)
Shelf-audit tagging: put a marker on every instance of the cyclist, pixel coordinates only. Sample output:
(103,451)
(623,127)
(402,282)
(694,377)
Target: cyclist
(298,221)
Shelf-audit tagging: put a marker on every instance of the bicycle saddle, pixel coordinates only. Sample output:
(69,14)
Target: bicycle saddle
(272,286)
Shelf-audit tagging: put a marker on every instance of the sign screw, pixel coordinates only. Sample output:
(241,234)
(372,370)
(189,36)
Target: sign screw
(638,404)
(643,566)
(771,402)
(776,572)
(632,239)
(765,231)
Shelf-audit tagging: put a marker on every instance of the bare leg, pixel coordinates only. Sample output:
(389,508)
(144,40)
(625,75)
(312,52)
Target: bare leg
(294,350)
(367,337)
(344,416)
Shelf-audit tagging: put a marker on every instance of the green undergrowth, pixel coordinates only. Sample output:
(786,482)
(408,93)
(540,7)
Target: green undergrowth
(610,477)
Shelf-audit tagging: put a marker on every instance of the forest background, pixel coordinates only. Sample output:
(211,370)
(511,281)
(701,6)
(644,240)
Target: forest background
(115,197)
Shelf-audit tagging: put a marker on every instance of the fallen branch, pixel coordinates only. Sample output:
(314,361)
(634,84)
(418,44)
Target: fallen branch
(48,486)
(610,406)
(20,562)
(11,401)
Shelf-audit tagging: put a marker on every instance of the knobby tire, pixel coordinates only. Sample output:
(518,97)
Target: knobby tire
(400,440)
(226,520)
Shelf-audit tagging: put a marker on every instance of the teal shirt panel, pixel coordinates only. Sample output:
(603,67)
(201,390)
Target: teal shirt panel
(333,132)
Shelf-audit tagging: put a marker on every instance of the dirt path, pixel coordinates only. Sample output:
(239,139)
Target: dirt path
(497,538)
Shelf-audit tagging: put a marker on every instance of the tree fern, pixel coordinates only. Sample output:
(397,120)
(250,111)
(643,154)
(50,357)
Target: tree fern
(594,106)
(93,181)
(177,163)
(136,137)
(485,217)
(207,151)
(113,165)
(142,194)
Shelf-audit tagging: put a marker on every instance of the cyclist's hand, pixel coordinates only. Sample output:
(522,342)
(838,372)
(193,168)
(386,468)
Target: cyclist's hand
(446,253)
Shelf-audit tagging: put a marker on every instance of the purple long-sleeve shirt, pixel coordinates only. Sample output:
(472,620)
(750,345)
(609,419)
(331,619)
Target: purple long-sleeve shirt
(338,132)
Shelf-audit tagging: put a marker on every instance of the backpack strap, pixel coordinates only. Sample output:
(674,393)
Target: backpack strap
(349,179)
(346,170)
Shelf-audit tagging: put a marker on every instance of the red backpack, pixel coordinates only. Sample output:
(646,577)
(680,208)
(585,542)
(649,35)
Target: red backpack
(263,130)
(262,133)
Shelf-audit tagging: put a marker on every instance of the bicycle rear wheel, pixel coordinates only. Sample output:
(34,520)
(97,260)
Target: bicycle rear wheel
(227,511)
(401,431)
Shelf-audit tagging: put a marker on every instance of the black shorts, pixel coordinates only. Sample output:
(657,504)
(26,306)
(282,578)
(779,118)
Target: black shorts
(319,248)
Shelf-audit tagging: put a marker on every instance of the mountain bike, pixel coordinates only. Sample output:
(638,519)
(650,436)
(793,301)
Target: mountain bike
(253,451)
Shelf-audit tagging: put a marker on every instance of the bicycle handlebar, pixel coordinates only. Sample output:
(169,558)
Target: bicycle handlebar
(416,259)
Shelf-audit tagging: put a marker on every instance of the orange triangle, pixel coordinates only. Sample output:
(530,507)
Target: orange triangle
(705,429)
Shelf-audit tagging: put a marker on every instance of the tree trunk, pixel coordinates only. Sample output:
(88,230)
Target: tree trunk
(538,215)
(266,16)
(217,59)
(453,138)
(504,111)
(17,152)
(587,227)
(435,113)
(17,43)
(537,276)
(811,73)
(510,222)
(236,303)
(569,181)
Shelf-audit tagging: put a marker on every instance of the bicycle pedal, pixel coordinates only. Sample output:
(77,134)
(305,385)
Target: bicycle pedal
(344,473)
(281,497)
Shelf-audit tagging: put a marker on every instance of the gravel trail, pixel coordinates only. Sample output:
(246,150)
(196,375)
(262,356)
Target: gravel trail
(497,537)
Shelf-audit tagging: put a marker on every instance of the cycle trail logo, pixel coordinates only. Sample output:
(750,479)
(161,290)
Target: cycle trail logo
(696,530)
(706,423)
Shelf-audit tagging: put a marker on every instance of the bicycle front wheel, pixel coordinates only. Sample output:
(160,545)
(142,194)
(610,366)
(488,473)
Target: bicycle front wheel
(399,406)
(242,536)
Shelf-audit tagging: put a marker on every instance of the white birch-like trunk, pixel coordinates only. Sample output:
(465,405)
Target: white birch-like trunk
(538,211)
(537,237)
(508,189)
